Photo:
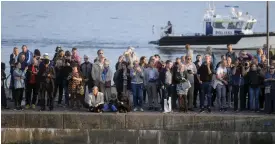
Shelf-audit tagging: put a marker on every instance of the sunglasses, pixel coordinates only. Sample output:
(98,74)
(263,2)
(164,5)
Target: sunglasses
(100,53)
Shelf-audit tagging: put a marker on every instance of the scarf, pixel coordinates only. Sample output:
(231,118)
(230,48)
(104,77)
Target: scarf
(104,74)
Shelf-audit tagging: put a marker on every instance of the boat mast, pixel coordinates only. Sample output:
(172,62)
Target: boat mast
(267,33)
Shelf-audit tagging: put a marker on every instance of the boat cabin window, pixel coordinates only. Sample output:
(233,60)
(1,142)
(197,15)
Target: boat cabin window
(219,25)
(235,25)
(249,25)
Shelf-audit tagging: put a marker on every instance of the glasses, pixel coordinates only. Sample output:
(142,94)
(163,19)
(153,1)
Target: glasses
(101,53)
(188,58)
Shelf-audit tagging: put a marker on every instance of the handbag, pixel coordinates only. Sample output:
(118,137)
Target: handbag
(80,90)
(107,84)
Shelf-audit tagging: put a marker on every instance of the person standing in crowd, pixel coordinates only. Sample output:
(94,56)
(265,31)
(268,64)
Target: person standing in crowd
(32,84)
(96,73)
(130,56)
(238,74)
(76,89)
(265,51)
(158,66)
(198,64)
(75,56)
(254,81)
(119,62)
(151,75)
(59,62)
(122,80)
(65,71)
(86,69)
(57,49)
(19,84)
(95,100)
(191,71)
(100,53)
(183,59)
(259,54)
(165,77)
(209,51)
(269,97)
(174,83)
(46,78)
(28,55)
(22,61)
(245,60)
(230,53)
(13,60)
(137,75)
(263,61)
(223,57)
(221,83)
(37,55)
(182,87)
(205,74)
(106,80)
(143,64)
(3,91)
(189,51)
(229,86)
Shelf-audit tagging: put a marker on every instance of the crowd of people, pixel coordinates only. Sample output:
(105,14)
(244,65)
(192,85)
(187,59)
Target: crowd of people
(240,81)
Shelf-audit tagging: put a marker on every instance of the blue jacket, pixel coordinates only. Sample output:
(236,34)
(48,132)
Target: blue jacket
(28,56)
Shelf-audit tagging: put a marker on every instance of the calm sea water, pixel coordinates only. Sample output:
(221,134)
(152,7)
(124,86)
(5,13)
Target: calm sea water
(111,26)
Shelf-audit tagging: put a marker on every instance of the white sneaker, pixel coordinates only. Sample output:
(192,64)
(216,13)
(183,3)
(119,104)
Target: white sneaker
(141,109)
(135,109)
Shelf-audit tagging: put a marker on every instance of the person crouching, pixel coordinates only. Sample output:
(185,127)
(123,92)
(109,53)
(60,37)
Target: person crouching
(95,100)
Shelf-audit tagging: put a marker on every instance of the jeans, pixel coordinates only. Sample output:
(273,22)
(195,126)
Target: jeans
(59,86)
(65,85)
(205,90)
(152,94)
(238,91)
(31,93)
(196,91)
(254,98)
(3,97)
(221,95)
(167,92)
(137,94)
(18,96)
(190,96)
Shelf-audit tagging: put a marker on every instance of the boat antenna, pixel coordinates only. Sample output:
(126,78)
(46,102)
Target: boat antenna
(267,34)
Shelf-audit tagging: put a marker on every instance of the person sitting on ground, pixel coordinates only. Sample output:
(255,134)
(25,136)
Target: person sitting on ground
(112,104)
(95,100)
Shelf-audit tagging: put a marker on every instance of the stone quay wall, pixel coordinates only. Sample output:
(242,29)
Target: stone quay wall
(136,128)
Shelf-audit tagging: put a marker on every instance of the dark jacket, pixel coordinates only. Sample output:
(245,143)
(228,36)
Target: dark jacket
(255,78)
(119,80)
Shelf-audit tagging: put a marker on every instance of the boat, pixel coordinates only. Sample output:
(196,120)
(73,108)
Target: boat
(235,29)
